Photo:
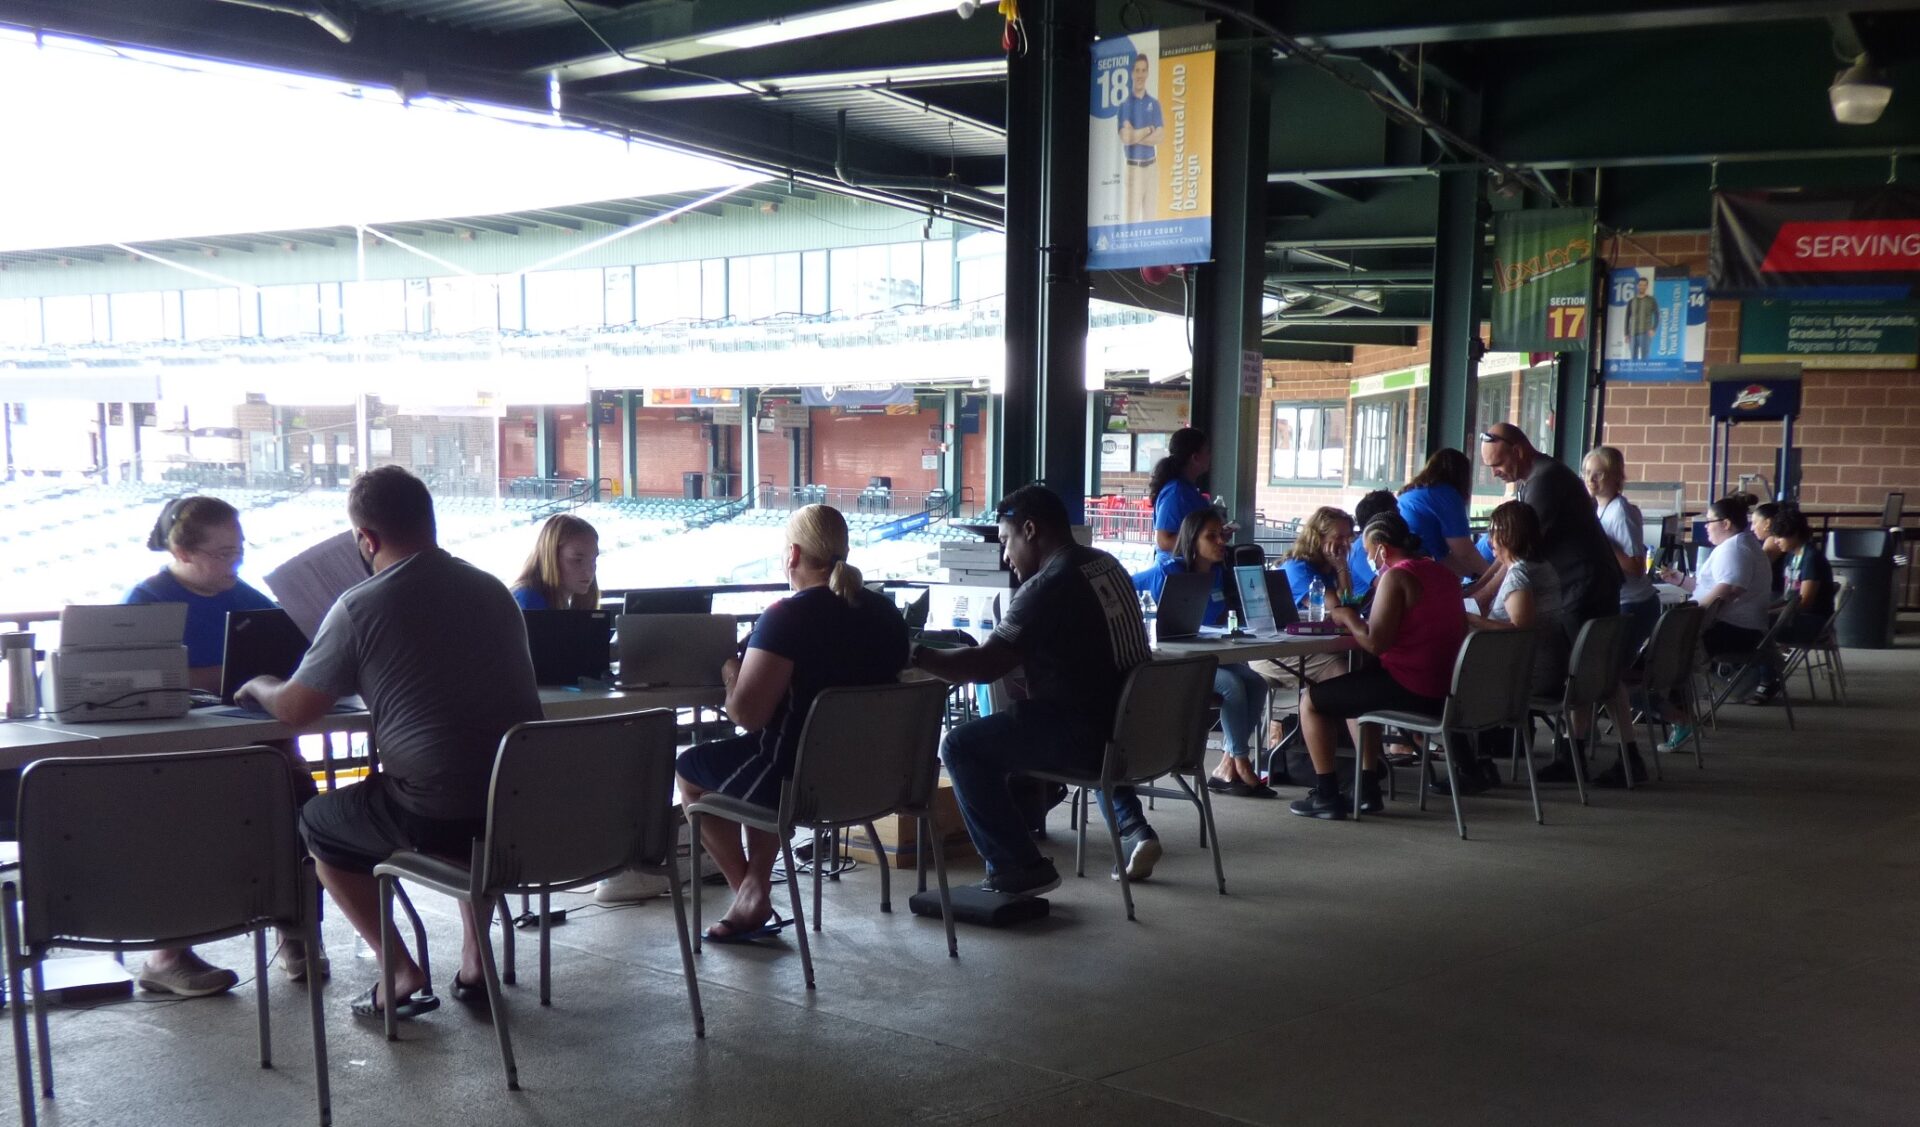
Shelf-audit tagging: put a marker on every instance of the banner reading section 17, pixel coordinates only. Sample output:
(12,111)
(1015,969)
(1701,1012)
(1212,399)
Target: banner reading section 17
(1542,280)
(1150,150)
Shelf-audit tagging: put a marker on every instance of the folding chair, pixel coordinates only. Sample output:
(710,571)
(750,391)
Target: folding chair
(865,752)
(571,802)
(1746,662)
(1666,673)
(1824,651)
(93,877)
(1159,728)
(1490,679)
(1593,672)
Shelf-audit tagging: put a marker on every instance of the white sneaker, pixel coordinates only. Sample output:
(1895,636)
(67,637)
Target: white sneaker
(1143,852)
(630,887)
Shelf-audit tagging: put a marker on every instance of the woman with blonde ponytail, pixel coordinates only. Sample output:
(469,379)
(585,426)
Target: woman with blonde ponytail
(831,631)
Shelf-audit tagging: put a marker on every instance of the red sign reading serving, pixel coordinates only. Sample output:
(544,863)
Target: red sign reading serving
(1872,244)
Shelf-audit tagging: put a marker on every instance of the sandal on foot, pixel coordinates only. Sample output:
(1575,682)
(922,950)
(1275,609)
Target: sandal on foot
(414,1005)
(737,934)
(471,994)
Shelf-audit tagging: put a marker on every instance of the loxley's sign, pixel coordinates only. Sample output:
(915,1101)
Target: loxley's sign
(1859,244)
(1542,279)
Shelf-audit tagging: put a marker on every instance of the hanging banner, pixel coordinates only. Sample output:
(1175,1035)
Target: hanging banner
(1542,279)
(859,395)
(692,396)
(1862,244)
(1150,149)
(1830,334)
(1656,326)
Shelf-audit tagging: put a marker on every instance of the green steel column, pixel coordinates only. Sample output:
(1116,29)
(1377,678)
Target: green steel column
(749,441)
(952,462)
(1228,290)
(1459,253)
(629,448)
(543,442)
(593,446)
(1573,391)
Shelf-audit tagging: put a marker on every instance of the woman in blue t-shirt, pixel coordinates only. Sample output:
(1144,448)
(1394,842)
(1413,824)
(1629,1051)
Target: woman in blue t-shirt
(1175,488)
(1202,546)
(831,631)
(562,571)
(1434,505)
(1321,551)
(202,536)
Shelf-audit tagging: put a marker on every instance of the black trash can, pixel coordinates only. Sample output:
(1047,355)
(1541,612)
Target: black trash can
(693,485)
(1863,557)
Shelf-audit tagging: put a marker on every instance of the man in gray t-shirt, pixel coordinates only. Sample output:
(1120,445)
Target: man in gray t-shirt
(438,650)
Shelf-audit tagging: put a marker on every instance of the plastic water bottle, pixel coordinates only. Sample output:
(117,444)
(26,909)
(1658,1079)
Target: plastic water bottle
(962,619)
(1149,611)
(1316,601)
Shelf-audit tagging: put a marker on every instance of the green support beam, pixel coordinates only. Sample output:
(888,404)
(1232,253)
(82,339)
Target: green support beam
(1459,252)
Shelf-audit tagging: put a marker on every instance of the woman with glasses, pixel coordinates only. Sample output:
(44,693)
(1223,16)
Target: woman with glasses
(201,535)
(1733,585)
(1202,547)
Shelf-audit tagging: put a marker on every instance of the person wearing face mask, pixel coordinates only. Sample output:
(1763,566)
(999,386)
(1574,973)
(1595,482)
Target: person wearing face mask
(1202,547)
(830,632)
(438,650)
(203,537)
(561,573)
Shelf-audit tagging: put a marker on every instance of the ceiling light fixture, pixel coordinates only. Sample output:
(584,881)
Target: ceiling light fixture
(1860,93)
(826,23)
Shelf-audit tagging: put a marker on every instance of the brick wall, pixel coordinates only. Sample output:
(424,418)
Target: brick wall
(1858,433)
(849,449)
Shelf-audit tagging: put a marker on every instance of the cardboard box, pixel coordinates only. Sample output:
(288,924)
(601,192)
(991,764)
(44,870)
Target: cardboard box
(899,837)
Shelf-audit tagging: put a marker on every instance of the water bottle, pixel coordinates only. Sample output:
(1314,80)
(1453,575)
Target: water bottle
(1316,601)
(961,615)
(1149,611)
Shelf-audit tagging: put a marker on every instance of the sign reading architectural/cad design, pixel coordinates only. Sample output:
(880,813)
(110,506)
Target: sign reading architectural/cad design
(1150,149)
(1861,244)
(1542,279)
(1656,325)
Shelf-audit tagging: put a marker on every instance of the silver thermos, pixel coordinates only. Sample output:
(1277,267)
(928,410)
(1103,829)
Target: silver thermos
(23,678)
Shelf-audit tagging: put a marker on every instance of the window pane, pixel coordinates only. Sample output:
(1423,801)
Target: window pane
(1286,422)
(813,282)
(937,272)
(713,289)
(786,283)
(20,320)
(137,316)
(1333,445)
(289,311)
(69,319)
(211,314)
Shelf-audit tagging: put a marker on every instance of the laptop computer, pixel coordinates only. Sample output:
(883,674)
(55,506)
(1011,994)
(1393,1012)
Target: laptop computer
(1266,602)
(674,650)
(259,643)
(569,644)
(668,600)
(1183,605)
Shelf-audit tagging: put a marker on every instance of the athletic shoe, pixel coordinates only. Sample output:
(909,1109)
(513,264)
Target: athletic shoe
(1314,806)
(192,977)
(1142,850)
(1034,880)
(1678,740)
(630,887)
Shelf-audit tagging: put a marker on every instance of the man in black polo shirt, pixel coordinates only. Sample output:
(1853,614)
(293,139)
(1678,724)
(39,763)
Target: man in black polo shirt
(1075,626)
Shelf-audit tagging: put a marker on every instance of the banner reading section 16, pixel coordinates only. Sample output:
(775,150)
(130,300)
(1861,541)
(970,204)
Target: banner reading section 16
(1150,149)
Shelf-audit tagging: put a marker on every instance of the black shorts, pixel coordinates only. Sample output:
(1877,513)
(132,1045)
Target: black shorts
(357,827)
(1369,690)
(739,767)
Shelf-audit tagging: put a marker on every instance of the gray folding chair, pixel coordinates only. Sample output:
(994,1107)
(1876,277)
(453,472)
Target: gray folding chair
(1490,679)
(1666,673)
(1593,672)
(866,751)
(1823,652)
(1159,728)
(1746,663)
(92,875)
(571,802)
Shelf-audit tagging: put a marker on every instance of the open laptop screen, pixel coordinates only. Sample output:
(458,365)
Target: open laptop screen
(1251,582)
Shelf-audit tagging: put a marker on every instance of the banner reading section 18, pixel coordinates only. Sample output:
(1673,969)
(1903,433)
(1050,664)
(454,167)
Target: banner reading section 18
(1150,149)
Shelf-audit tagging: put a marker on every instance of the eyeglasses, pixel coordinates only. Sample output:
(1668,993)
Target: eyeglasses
(1489,436)
(1718,520)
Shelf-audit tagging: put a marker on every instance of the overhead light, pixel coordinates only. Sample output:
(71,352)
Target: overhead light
(1859,93)
(827,23)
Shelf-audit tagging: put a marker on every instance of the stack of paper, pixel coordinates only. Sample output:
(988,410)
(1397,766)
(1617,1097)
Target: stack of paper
(975,563)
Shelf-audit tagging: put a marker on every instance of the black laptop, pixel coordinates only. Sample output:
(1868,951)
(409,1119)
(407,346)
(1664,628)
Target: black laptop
(570,644)
(668,600)
(1183,605)
(260,643)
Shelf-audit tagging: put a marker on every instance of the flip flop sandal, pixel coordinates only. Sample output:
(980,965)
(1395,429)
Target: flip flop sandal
(750,935)
(414,1006)
(471,994)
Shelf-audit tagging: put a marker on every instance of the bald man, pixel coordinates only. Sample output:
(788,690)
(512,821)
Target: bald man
(1575,544)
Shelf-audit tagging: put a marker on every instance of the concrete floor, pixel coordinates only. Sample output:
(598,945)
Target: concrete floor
(1735,945)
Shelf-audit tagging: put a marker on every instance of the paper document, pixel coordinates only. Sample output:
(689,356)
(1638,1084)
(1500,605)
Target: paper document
(307,585)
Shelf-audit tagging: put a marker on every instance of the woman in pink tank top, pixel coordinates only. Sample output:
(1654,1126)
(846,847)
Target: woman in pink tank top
(1415,629)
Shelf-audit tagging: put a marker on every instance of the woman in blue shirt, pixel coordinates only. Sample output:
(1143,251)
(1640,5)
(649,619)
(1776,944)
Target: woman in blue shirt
(202,535)
(1320,551)
(1434,505)
(562,571)
(1202,546)
(1174,487)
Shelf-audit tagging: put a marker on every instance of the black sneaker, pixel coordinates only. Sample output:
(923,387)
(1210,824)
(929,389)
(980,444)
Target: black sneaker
(1616,776)
(1371,801)
(1313,806)
(1034,880)
(1558,771)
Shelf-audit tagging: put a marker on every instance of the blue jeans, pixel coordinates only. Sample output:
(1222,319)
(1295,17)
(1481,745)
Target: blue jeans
(1243,700)
(1030,735)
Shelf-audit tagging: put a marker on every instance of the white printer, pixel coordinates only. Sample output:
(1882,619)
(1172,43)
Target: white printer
(119,663)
